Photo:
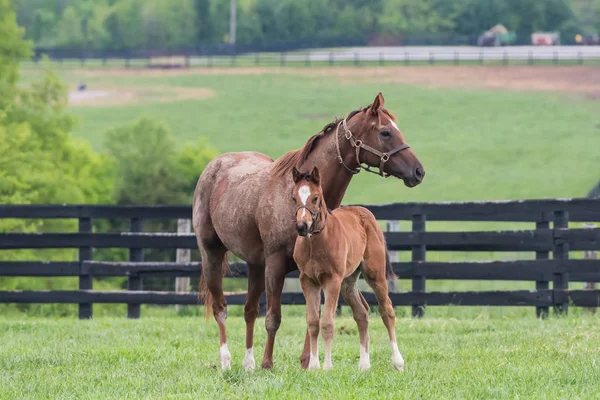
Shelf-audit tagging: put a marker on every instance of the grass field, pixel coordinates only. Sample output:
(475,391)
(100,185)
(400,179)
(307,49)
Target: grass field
(177,358)
(475,143)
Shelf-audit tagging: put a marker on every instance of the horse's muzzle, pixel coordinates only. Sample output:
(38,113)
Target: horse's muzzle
(302,228)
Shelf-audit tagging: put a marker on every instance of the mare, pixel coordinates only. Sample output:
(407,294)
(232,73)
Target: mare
(242,205)
(331,251)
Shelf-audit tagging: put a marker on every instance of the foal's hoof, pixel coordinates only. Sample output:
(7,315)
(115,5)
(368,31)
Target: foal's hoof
(399,366)
(267,364)
(314,364)
(304,362)
(364,366)
(327,366)
(248,362)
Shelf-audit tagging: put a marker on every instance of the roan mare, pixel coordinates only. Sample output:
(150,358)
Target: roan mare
(242,204)
(329,251)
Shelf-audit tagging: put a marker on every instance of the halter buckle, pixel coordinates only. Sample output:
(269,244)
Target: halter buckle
(385,157)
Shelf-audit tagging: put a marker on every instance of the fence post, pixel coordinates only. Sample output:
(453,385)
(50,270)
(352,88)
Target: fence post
(561,252)
(257,58)
(182,283)
(393,226)
(530,58)
(431,57)
(331,58)
(505,58)
(590,255)
(542,312)
(282,58)
(418,254)
(356,58)
(381,62)
(481,57)
(135,281)
(187,60)
(307,60)
(555,58)
(406,58)
(85,281)
(456,58)
(580,57)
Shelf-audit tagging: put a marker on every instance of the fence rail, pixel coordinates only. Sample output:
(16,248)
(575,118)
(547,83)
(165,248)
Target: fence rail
(186,58)
(540,241)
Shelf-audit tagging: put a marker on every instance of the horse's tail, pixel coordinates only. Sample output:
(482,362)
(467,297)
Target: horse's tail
(389,271)
(203,292)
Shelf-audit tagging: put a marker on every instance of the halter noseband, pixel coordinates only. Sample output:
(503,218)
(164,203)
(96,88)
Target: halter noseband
(358,144)
(316,217)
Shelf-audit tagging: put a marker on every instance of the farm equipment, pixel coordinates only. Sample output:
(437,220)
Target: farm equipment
(587,40)
(497,35)
(545,38)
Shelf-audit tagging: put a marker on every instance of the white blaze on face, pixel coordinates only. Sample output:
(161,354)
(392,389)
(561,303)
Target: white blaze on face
(394,124)
(304,192)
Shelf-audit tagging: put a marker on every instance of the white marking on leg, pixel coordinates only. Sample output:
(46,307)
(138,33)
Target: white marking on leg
(314,360)
(327,363)
(225,356)
(248,362)
(365,360)
(304,192)
(397,360)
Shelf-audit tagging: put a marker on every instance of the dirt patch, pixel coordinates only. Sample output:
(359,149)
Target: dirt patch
(585,80)
(574,79)
(123,96)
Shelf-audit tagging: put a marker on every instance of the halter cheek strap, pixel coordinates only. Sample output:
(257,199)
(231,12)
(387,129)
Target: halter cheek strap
(357,144)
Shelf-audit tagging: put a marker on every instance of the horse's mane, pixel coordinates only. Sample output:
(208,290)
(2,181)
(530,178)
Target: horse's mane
(295,158)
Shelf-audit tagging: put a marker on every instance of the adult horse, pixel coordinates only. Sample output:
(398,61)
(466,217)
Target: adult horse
(242,204)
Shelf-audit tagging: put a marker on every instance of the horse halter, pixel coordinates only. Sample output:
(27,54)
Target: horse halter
(316,217)
(358,144)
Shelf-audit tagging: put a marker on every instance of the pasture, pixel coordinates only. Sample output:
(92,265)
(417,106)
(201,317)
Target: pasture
(482,133)
(177,358)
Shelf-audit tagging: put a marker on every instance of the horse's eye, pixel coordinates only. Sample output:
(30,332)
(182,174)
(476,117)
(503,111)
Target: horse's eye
(315,199)
(294,198)
(385,133)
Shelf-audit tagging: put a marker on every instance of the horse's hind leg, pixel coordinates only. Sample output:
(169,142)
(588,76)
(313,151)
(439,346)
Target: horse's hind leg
(360,311)
(256,287)
(212,275)
(374,273)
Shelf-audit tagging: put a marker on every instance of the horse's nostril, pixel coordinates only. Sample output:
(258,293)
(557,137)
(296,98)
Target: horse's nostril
(419,173)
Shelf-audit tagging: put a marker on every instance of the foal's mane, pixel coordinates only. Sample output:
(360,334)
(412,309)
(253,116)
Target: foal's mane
(295,158)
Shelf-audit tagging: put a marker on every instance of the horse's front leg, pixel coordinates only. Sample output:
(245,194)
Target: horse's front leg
(332,293)
(275,271)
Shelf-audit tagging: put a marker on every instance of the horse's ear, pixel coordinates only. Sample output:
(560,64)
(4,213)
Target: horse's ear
(314,175)
(296,175)
(377,104)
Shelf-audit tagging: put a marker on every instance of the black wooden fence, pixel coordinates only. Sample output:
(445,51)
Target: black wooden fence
(541,239)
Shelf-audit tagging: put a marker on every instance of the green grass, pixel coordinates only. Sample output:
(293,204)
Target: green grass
(474,144)
(177,358)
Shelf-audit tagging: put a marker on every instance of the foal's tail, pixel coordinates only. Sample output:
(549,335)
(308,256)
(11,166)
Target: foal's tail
(203,292)
(389,271)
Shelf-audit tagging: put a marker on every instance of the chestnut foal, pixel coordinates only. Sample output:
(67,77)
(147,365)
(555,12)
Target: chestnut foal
(329,251)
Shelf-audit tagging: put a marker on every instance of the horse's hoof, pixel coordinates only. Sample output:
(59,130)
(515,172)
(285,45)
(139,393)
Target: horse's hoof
(399,367)
(225,357)
(327,366)
(304,362)
(364,366)
(314,364)
(267,365)
(248,362)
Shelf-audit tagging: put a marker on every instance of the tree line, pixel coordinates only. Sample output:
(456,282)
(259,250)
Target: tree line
(169,24)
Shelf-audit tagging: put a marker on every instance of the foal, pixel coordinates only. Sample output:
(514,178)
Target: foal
(329,251)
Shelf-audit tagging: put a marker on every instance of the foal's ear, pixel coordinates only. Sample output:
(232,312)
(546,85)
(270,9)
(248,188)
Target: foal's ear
(377,104)
(314,175)
(296,175)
